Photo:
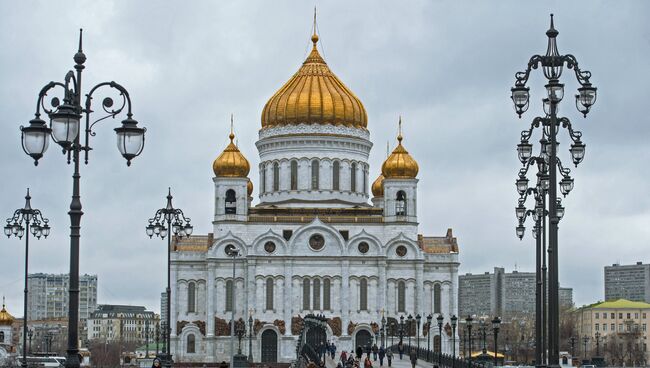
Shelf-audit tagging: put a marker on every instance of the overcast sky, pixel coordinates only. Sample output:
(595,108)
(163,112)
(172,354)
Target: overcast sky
(446,67)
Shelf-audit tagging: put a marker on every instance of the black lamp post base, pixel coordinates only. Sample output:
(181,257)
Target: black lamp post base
(165,359)
(240,361)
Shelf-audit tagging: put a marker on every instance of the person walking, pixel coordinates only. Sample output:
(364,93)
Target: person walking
(414,358)
(359,352)
(367,363)
(332,350)
(375,350)
(400,349)
(382,355)
(389,356)
(344,356)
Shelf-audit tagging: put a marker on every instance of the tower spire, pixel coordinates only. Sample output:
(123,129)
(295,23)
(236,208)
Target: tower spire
(232,131)
(314,36)
(399,134)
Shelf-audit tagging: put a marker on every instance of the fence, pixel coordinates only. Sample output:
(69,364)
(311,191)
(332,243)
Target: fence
(442,360)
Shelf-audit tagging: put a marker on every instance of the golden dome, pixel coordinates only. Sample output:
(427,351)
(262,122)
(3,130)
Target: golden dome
(400,165)
(249,188)
(378,186)
(314,95)
(6,319)
(231,163)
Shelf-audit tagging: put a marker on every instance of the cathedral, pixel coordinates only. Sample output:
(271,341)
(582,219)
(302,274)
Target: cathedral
(323,238)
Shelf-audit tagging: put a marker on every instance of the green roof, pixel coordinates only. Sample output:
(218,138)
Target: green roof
(152,347)
(621,304)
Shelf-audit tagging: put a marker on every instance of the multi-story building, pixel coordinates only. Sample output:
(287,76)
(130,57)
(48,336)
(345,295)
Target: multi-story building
(163,307)
(126,323)
(631,282)
(48,295)
(502,294)
(622,328)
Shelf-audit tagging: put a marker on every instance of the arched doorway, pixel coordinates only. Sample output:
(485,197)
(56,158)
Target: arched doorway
(363,338)
(316,338)
(269,346)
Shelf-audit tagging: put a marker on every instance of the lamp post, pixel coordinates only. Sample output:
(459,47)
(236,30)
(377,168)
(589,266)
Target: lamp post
(483,333)
(65,129)
(250,335)
(157,337)
(469,321)
(392,335)
(30,333)
(429,318)
(410,328)
(383,328)
(233,252)
(166,222)
(552,64)
(146,338)
(401,328)
(573,346)
(22,222)
(585,340)
(454,322)
(597,336)
(418,318)
(241,332)
(440,319)
(496,324)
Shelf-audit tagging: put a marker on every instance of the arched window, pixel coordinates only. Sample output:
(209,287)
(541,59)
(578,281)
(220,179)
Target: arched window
(336,175)
(263,179)
(436,298)
(294,175)
(314,174)
(229,296)
(276,177)
(363,294)
(353,177)
(191,297)
(2,336)
(269,294)
(191,344)
(231,202)
(316,294)
(326,294)
(305,294)
(436,343)
(400,204)
(401,297)
(365,179)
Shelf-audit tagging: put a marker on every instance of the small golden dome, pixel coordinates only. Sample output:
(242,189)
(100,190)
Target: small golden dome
(6,319)
(400,165)
(378,186)
(314,95)
(249,188)
(231,163)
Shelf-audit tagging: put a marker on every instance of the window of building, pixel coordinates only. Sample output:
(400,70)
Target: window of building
(326,294)
(613,316)
(644,316)
(401,297)
(636,315)
(436,298)
(191,344)
(263,179)
(604,326)
(363,294)
(305,294)
(336,175)
(191,297)
(276,177)
(231,202)
(612,327)
(596,327)
(620,327)
(620,316)
(365,179)
(269,294)
(643,327)
(604,315)
(2,336)
(596,315)
(353,177)
(400,204)
(316,294)
(229,296)
(315,167)
(294,175)
(629,315)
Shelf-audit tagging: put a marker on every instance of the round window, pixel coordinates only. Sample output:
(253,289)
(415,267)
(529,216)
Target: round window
(401,251)
(269,247)
(363,247)
(316,242)
(229,249)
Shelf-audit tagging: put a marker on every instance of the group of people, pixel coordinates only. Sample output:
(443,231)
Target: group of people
(374,352)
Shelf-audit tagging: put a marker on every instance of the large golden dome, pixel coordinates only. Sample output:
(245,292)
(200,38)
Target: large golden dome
(6,319)
(231,163)
(314,95)
(378,186)
(400,165)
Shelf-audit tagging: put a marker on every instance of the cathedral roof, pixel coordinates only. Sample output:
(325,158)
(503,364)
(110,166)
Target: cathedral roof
(400,164)
(195,243)
(231,163)
(378,186)
(314,95)
(6,319)
(438,244)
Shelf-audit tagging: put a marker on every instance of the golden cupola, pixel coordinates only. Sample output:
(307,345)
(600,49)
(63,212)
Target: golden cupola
(314,95)
(231,163)
(400,164)
(6,319)
(378,186)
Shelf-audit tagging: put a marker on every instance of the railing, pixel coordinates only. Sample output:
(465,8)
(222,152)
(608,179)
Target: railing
(440,359)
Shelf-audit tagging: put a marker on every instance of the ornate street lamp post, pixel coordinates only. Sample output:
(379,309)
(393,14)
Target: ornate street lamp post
(410,328)
(468,322)
(22,222)
(30,333)
(392,335)
(483,333)
(157,337)
(597,336)
(496,324)
(573,346)
(250,335)
(166,222)
(383,328)
(585,340)
(454,322)
(241,332)
(440,319)
(418,318)
(429,318)
(552,64)
(401,328)
(65,129)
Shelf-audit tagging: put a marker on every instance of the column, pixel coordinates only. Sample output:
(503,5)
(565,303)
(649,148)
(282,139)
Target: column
(251,290)
(209,312)
(345,296)
(419,291)
(173,300)
(288,296)
(445,301)
(381,292)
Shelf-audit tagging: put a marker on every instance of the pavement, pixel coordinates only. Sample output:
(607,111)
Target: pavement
(397,363)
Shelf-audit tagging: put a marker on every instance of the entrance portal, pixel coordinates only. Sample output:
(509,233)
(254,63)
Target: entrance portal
(269,347)
(363,339)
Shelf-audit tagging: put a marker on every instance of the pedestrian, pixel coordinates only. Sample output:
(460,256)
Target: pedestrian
(414,358)
(367,363)
(368,350)
(156,363)
(400,349)
(344,356)
(389,356)
(382,354)
(333,350)
(359,352)
(375,350)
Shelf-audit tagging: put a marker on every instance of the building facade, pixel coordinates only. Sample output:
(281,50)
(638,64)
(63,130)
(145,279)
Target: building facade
(48,295)
(631,282)
(125,323)
(503,294)
(622,328)
(7,338)
(314,243)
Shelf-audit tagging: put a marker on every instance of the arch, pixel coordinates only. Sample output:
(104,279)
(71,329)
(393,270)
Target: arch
(294,175)
(401,296)
(336,175)
(191,344)
(231,202)
(400,203)
(436,298)
(269,346)
(363,338)
(313,227)
(353,177)
(363,236)
(269,293)
(363,294)
(218,248)
(413,250)
(315,168)
(191,297)
(276,176)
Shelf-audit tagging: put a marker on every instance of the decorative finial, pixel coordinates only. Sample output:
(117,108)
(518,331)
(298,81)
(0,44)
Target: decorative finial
(81,31)
(399,135)
(232,131)
(80,57)
(552,32)
(387,149)
(314,37)
(28,202)
(3,302)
